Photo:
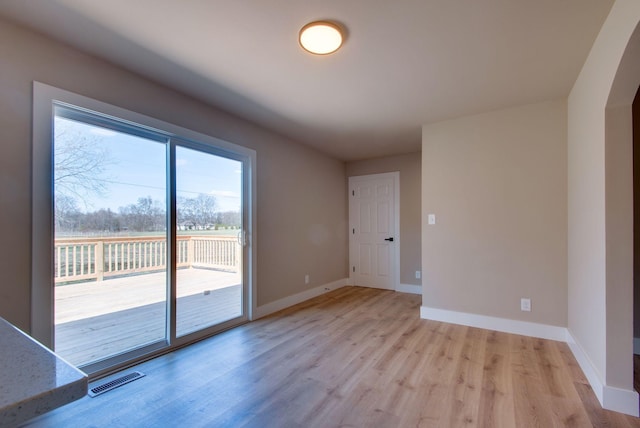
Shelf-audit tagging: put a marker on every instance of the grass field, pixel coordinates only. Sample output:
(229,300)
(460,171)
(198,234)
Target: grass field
(220,232)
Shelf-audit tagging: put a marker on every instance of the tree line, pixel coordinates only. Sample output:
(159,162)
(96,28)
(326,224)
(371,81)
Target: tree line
(146,215)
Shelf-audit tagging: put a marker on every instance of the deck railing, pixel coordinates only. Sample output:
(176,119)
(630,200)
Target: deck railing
(77,259)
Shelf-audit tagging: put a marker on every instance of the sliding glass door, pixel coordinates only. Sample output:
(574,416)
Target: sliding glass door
(149,238)
(209,237)
(110,239)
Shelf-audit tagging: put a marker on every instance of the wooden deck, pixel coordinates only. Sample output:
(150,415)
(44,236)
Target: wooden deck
(123,313)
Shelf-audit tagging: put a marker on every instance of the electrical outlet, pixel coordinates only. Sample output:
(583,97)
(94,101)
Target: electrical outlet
(306,279)
(525,305)
(418,274)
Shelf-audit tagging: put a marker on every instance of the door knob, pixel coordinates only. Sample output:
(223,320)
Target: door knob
(389,239)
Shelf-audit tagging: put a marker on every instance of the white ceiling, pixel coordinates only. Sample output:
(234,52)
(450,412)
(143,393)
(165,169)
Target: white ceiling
(404,63)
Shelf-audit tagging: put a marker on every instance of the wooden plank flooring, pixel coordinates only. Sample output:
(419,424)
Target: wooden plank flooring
(355,357)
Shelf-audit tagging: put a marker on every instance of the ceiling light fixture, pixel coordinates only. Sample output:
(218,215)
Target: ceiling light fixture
(321,37)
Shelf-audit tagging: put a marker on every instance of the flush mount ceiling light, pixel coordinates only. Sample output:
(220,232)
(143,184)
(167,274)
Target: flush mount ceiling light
(321,37)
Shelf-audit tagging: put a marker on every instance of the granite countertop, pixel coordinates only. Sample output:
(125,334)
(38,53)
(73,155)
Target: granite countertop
(33,380)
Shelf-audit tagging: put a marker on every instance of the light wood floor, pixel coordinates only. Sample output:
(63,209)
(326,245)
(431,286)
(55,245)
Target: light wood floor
(355,357)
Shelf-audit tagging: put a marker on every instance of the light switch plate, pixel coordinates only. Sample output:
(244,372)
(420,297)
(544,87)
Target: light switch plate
(431,218)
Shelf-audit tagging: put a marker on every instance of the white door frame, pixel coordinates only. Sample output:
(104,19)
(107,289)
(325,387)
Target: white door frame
(395,175)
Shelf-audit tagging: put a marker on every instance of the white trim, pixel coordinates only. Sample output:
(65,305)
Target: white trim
(587,366)
(409,288)
(621,400)
(278,305)
(396,203)
(636,345)
(524,328)
(610,397)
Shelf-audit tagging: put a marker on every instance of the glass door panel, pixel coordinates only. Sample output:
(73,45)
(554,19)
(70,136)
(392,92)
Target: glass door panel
(209,287)
(110,241)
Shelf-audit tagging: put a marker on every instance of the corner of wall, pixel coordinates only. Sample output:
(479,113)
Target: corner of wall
(611,398)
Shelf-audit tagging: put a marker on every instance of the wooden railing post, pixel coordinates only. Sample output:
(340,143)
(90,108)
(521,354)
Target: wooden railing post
(238,256)
(99,260)
(190,252)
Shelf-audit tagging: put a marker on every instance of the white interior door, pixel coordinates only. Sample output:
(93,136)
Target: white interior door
(374,238)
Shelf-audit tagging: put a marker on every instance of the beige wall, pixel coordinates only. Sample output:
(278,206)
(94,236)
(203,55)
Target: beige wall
(497,185)
(302,212)
(636,215)
(600,225)
(409,166)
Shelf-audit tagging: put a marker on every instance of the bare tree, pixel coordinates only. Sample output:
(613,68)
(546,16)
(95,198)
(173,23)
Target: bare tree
(146,215)
(230,219)
(67,213)
(80,163)
(103,220)
(199,212)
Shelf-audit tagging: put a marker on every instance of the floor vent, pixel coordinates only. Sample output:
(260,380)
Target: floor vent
(113,384)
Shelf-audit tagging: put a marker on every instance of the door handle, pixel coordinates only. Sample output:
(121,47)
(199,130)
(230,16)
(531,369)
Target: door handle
(389,239)
(242,238)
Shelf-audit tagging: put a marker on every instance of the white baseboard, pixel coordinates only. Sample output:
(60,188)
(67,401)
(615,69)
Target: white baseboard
(636,345)
(611,398)
(587,367)
(409,288)
(524,328)
(621,400)
(278,305)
